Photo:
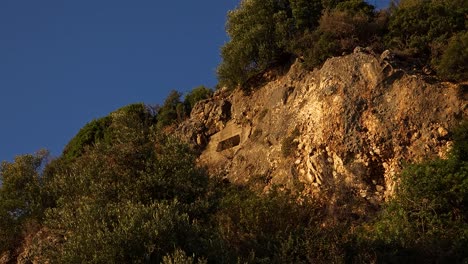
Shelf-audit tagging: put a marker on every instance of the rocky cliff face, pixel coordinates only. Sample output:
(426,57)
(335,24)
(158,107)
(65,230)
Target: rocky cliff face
(357,120)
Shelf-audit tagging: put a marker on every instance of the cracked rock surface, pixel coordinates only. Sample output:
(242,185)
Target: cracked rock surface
(356,120)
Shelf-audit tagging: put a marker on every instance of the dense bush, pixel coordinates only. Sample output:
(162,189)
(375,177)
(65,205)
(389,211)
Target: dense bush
(142,199)
(172,110)
(91,133)
(414,25)
(124,192)
(427,221)
(339,30)
(453,64)
(258,31)
(102,130)
(426,29)
(269,228)
(21,197)
(132,200)
(266,34)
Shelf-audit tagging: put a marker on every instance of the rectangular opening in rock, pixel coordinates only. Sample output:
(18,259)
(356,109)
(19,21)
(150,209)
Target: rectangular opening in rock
(228,143)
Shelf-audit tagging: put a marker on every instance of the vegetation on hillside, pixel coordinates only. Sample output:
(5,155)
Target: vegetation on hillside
(427,220)
(267,33)
(135,195)
(126,191)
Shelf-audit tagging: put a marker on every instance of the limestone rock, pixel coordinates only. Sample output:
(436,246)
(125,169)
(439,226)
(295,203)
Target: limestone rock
(352,121)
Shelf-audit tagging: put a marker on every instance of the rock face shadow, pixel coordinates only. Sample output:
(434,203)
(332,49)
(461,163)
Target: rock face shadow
(228,143)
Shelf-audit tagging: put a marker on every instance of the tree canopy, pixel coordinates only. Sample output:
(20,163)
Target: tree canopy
(265,34)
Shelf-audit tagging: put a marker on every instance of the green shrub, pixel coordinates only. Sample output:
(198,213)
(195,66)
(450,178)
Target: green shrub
(305,13)
(315,47)
(258,29)
(120,233)
(91,133)
(454,61)
(427,220)
(416,25)
(180,257)
(132,201)
(267,34)
(21,197)
(256,227)
(102,130)
(172,111)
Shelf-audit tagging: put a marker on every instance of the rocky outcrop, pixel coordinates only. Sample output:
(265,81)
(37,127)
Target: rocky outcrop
(356,120)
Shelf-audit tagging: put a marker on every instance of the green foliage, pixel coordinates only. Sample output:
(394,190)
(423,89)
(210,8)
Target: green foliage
(422,28)
(356,7)
(267,33)
(428,219)
(103,130)
(142,199)
(454,61)
(197,94)
(261,228)
(180,257)
(258,30)
(91,133)
(171,111)
(305,13)
(21,197)
(129,201)
(315,47)
(460,137)
(341,29)
(120,233)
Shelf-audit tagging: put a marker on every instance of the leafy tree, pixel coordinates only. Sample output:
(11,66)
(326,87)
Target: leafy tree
(102,130)
(306,13)
(91,133)
(129,201)
(416,25)
(21,196)
(341,29)
(257,30)
(454,61)
(269,33)
(356,7)
(172,110)
(259,227)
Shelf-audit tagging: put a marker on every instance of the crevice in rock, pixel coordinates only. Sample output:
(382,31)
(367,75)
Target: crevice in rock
(228,143)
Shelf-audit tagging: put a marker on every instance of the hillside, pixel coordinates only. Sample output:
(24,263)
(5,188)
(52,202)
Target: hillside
(311,149)
(310,166)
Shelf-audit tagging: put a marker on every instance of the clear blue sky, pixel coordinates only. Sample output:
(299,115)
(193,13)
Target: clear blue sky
(66,62)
